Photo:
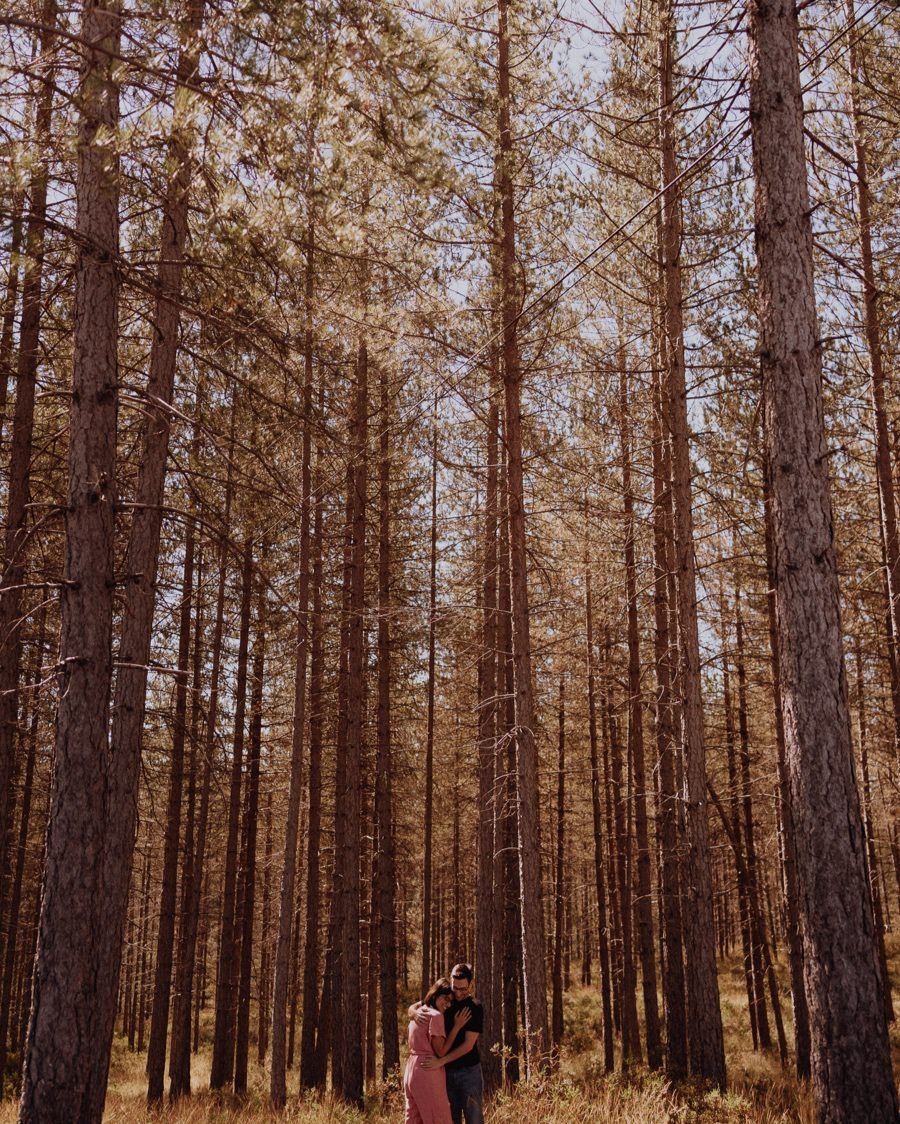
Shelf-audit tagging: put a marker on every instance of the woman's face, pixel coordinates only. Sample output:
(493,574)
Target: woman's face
(442,1002)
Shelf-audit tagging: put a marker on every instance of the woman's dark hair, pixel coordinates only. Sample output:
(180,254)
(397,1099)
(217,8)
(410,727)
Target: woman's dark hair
(438,988)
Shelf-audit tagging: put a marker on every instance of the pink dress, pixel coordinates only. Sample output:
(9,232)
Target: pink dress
(426,1089)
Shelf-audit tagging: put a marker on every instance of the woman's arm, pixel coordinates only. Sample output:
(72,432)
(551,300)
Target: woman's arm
(441,1045)
(468,1043)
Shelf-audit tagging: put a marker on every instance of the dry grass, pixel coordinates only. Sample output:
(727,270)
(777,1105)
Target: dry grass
(580,1093)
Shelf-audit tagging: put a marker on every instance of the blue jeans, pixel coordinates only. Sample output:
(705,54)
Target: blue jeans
(465,1091)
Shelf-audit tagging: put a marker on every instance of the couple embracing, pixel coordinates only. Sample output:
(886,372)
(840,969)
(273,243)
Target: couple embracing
(443,1083)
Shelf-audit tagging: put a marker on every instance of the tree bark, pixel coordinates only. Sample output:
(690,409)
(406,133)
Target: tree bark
(76,973)
(850,1056)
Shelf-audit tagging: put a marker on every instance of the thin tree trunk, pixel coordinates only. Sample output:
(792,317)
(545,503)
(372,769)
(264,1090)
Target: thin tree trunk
(706,1047)
(428,825)
(251,829)
(537,1030)
(559,876)
(385,861)
(631,1040)
(599,876)
(757,919)
(222,1070)
(312,1072)
(180,1075)
(644,904)
(670,888)
(871,854)
(851,1064)
(76,973)
(348,1081)
(487,917)
(278,1085)
(165,941)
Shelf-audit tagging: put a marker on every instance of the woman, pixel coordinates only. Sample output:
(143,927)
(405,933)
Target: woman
(426,1090)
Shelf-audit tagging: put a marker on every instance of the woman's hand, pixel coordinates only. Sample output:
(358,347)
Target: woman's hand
(461,1018)
(431,1063)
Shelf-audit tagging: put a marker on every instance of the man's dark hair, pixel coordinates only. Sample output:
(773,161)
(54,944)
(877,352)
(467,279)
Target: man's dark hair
(462,972)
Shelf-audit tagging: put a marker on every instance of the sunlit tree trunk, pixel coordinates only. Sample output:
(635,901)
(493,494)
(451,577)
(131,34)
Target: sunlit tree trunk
(851,1065)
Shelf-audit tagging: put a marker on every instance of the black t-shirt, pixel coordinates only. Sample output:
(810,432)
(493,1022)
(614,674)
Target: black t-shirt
(475,1023)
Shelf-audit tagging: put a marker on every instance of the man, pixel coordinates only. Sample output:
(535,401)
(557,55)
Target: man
(465,1087)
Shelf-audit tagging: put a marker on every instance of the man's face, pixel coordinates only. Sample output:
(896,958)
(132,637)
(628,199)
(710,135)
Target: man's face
(461,987)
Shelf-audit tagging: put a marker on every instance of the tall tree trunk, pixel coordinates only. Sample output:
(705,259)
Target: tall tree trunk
(670,883)
(706,1046)
(251,831)
(599,876)
(537,1030)
(349,1075)
(631,1038)
(757,918)
(487,945)
(851,1064)
(385,861)
(559,877)
(312,1071)
(278,1086)
(76,973)
(428,826)
(222,1069)
(165,941)
(644,904)
(180,1069)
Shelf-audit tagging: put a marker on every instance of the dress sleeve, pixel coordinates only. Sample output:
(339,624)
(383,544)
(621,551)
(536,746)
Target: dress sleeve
(437,1028)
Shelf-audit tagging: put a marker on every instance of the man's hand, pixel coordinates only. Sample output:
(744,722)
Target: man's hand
(420,1013)
(431,1063)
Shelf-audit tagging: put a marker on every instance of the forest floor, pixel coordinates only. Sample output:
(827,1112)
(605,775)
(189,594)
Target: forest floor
(759,1092)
